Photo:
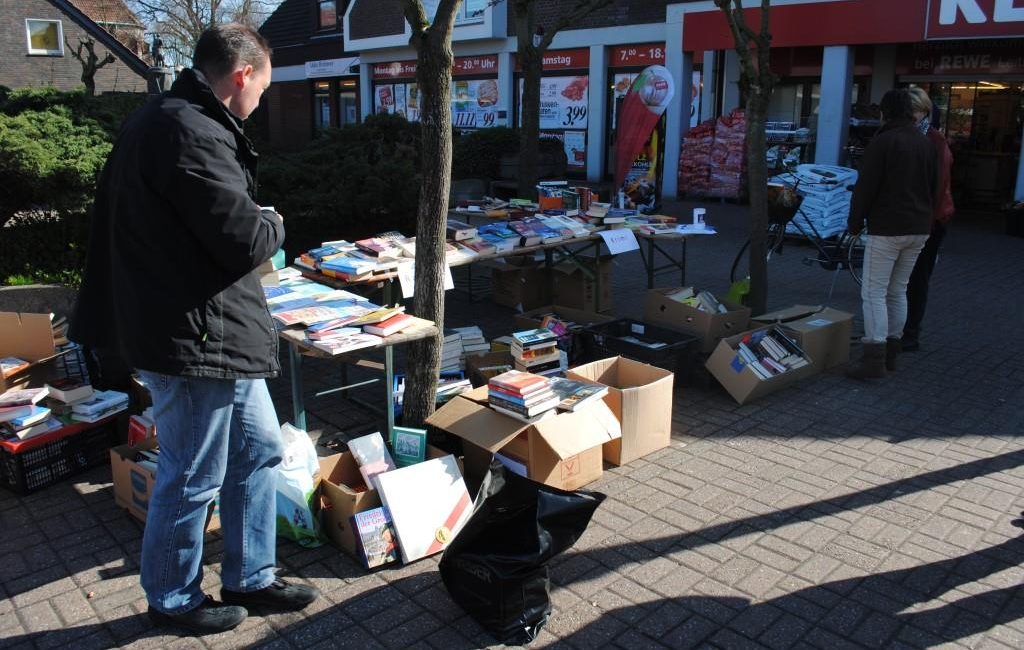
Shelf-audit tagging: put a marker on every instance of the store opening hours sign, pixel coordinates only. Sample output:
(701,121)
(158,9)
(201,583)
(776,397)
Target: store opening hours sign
(638,55)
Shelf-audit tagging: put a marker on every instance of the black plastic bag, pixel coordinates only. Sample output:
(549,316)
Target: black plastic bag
(496,567)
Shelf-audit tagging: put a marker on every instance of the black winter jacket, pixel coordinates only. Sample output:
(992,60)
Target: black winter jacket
(176,237)
(896,183)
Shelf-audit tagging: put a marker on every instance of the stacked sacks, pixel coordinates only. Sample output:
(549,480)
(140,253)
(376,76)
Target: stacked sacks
(695,159)
(826,203)
(729,156)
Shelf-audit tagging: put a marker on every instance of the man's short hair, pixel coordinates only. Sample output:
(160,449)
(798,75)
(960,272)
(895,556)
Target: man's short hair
(896,105)
(222,49)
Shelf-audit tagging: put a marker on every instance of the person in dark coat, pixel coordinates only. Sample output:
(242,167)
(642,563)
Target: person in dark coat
(942,214)
(171,285)
(893,197)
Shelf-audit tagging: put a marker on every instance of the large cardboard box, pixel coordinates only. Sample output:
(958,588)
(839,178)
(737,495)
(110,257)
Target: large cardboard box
(729,368)
(338,501)
(587,291)
(822,332)
(532,319)
(517,284)
(659,309)
(562,451)
(28,337)
(133,483)
(640,396)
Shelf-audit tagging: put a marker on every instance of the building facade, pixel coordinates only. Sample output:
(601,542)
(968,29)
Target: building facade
(315,83)
(835,59)
(37,38)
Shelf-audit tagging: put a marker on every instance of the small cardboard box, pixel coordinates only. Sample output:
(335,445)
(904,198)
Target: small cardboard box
(532,319)
(338,501)
(518,287)
(822,332)
(28,337)
(659,309)
(584,291)
(729,368)
(562,451)
(640,396)
(133,483)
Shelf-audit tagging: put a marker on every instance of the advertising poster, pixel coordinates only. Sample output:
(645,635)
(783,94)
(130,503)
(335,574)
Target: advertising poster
(475,103)
(575,145)
(641,111)
(384,99)
(412,102)
(563,102)
(400,108)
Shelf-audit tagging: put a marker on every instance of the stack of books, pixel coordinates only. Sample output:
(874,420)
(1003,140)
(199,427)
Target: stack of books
(11,365)
(27,421)
(522,395)
(459,230)
(103,403)
(770,352)
(69,391)
(536,351)
(451,351)
(473,341)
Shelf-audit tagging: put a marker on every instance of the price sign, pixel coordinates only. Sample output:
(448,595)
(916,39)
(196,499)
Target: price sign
(563,102)
(407,279)
(620,240)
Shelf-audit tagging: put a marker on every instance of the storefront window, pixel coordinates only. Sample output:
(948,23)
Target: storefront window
(322,105)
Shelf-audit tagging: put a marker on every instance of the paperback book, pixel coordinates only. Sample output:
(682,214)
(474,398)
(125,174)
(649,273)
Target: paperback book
(574,394)
(409,445)
(376,541)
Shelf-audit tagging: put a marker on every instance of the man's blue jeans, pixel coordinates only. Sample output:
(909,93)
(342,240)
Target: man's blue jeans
(216,435)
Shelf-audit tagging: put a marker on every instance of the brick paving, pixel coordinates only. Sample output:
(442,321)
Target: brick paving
(832,514)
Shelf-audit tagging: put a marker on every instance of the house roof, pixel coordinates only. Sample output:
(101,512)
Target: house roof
(108,40)
(108,11)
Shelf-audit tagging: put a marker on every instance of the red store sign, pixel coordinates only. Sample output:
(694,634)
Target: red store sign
(395,70)
(470,65)
(975,18)
(564,59)
(638,55)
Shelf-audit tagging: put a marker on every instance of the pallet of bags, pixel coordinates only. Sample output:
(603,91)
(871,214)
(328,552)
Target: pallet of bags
(695,159)
(728,156)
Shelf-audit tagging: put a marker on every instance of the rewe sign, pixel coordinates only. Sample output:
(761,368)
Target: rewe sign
(975,18)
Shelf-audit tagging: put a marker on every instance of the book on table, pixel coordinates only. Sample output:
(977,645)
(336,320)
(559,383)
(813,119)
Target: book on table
(36,415)
(33,430)
(346,343)
(458,230)
(10,412)
(390,326)
(429,505)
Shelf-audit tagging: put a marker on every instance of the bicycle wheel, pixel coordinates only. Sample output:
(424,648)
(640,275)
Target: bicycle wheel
(853,256)
(741,265)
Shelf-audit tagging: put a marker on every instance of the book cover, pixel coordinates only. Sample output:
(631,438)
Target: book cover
(11,365)
(429,505)
(372,457)
(396,323)
(36,415)
(376,542)
(574,393)
(348,343)
(535,338)
(23,396)
(10,412)
(409,445)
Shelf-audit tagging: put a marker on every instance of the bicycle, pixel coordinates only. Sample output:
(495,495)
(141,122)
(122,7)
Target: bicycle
(841,252)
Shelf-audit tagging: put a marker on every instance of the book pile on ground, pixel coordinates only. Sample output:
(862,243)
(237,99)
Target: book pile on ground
(522,395)
(103,403)
(574,393)
(770,352)
(451,351)
(702,300)
(536,351)
(69,391)
(372,457)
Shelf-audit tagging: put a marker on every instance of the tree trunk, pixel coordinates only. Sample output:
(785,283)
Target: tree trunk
(757,182)
(531,61)
(433,75)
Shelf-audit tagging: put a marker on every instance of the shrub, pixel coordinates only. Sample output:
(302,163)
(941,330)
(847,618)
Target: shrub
(477,154)
(348,183)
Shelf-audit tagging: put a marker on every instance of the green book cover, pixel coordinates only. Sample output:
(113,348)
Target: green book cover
(409,446)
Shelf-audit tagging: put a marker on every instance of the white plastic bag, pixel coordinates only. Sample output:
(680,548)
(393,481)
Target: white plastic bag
(296,486)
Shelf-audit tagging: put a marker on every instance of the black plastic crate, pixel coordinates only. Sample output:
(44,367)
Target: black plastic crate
(25,468)
(633,339)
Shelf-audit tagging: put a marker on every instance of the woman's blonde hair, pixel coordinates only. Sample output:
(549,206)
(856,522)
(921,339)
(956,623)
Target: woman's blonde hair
(920,100)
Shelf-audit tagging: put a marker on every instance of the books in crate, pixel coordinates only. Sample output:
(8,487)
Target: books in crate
(770,352)
(103,403)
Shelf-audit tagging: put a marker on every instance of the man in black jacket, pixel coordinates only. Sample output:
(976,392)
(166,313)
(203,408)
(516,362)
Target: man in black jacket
(171,284)
(893,196)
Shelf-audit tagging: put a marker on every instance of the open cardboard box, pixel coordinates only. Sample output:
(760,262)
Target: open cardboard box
(518,283)
(338,501)
(586,291)
(28,337)
(563,451)
(640,396)
(659,309)
(822,332)
(729,368)
(133,483)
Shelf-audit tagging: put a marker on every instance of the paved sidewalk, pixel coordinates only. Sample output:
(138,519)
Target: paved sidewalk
(830,515)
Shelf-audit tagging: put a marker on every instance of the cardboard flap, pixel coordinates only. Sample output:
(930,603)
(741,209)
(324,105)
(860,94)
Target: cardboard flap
(26,336)
(796,312)
(476,422)
(574,432)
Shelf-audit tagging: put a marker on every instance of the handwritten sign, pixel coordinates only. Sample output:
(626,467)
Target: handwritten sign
(620,240)
(407,279)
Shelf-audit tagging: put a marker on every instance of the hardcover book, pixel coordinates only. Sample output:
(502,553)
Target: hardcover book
(535,338)
(394,324)
(409,445)
(574,394)
(520,383)
(23,396)
(69,390)
(376,542)
(429,505)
